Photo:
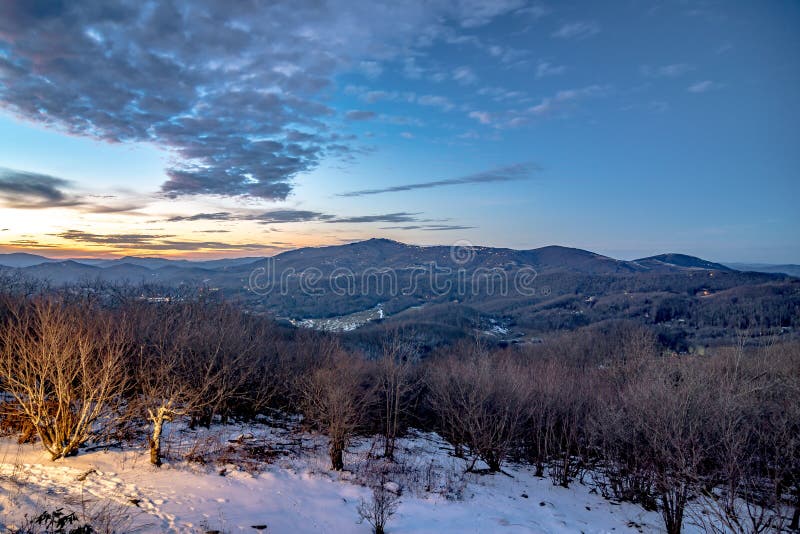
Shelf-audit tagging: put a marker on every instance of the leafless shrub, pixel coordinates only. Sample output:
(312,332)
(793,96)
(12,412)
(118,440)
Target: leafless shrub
(756,427)
(383,505)
(397,382)
(480,402)
(334,398)
(64,366)
(567,407)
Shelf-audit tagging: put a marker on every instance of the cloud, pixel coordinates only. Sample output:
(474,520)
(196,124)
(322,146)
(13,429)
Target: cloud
(267,217)
(519,171)
(544,69)
(128,208)
(360,115)
(282,216)
(109,239)
(552,103)
(154,242)
(500,94)
(411,70)
(479,12)
(481,116)
(703,87)
(577,30)
(398,217)
(289,216)
(33,191)
(30,190)
(370,69)
(429,227)
(436,101)
(535,11)
(507,55)
(372,96)
(464,76)
(218,216)
(667,71)
(234,91)
(658,106)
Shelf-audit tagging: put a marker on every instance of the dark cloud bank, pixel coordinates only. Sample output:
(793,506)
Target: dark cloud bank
(236,90)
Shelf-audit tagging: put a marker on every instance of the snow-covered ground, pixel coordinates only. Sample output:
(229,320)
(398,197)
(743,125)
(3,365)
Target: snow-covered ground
(225,485)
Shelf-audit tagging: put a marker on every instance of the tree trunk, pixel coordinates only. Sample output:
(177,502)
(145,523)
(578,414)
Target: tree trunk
(673,502)
(336,454)
(155,441)
(388,447)
(492,459)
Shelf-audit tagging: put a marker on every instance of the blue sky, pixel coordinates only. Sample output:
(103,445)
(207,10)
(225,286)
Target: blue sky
(201,129)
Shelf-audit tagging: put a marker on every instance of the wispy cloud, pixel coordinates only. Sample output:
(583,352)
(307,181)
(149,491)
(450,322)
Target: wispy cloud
(478,13)
(483,117)
(552,103)
(360,115)
(282,216)
(519,171)
(577,30)
(155,242)
(500,94)
(217,216)
(703,86)
(370,69)
(674,70)
(464,75)
(268,217)
(437,101)
(398,217)
(429,227)
(289,216)
(545,69)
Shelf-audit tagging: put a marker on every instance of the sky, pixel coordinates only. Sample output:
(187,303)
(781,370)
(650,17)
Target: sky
(205,128)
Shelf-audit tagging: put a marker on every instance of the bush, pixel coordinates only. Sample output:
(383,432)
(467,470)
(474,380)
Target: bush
(64,366)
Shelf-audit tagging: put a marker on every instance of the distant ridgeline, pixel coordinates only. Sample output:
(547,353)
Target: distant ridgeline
(510,296)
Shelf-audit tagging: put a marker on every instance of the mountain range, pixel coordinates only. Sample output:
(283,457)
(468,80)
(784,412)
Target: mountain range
(373,253)
(687,300)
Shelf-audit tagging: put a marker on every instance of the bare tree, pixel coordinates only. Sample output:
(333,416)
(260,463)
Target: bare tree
(334,398)
(64,365)
(221,351)
(671,412)
(567,407)
(397,381)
